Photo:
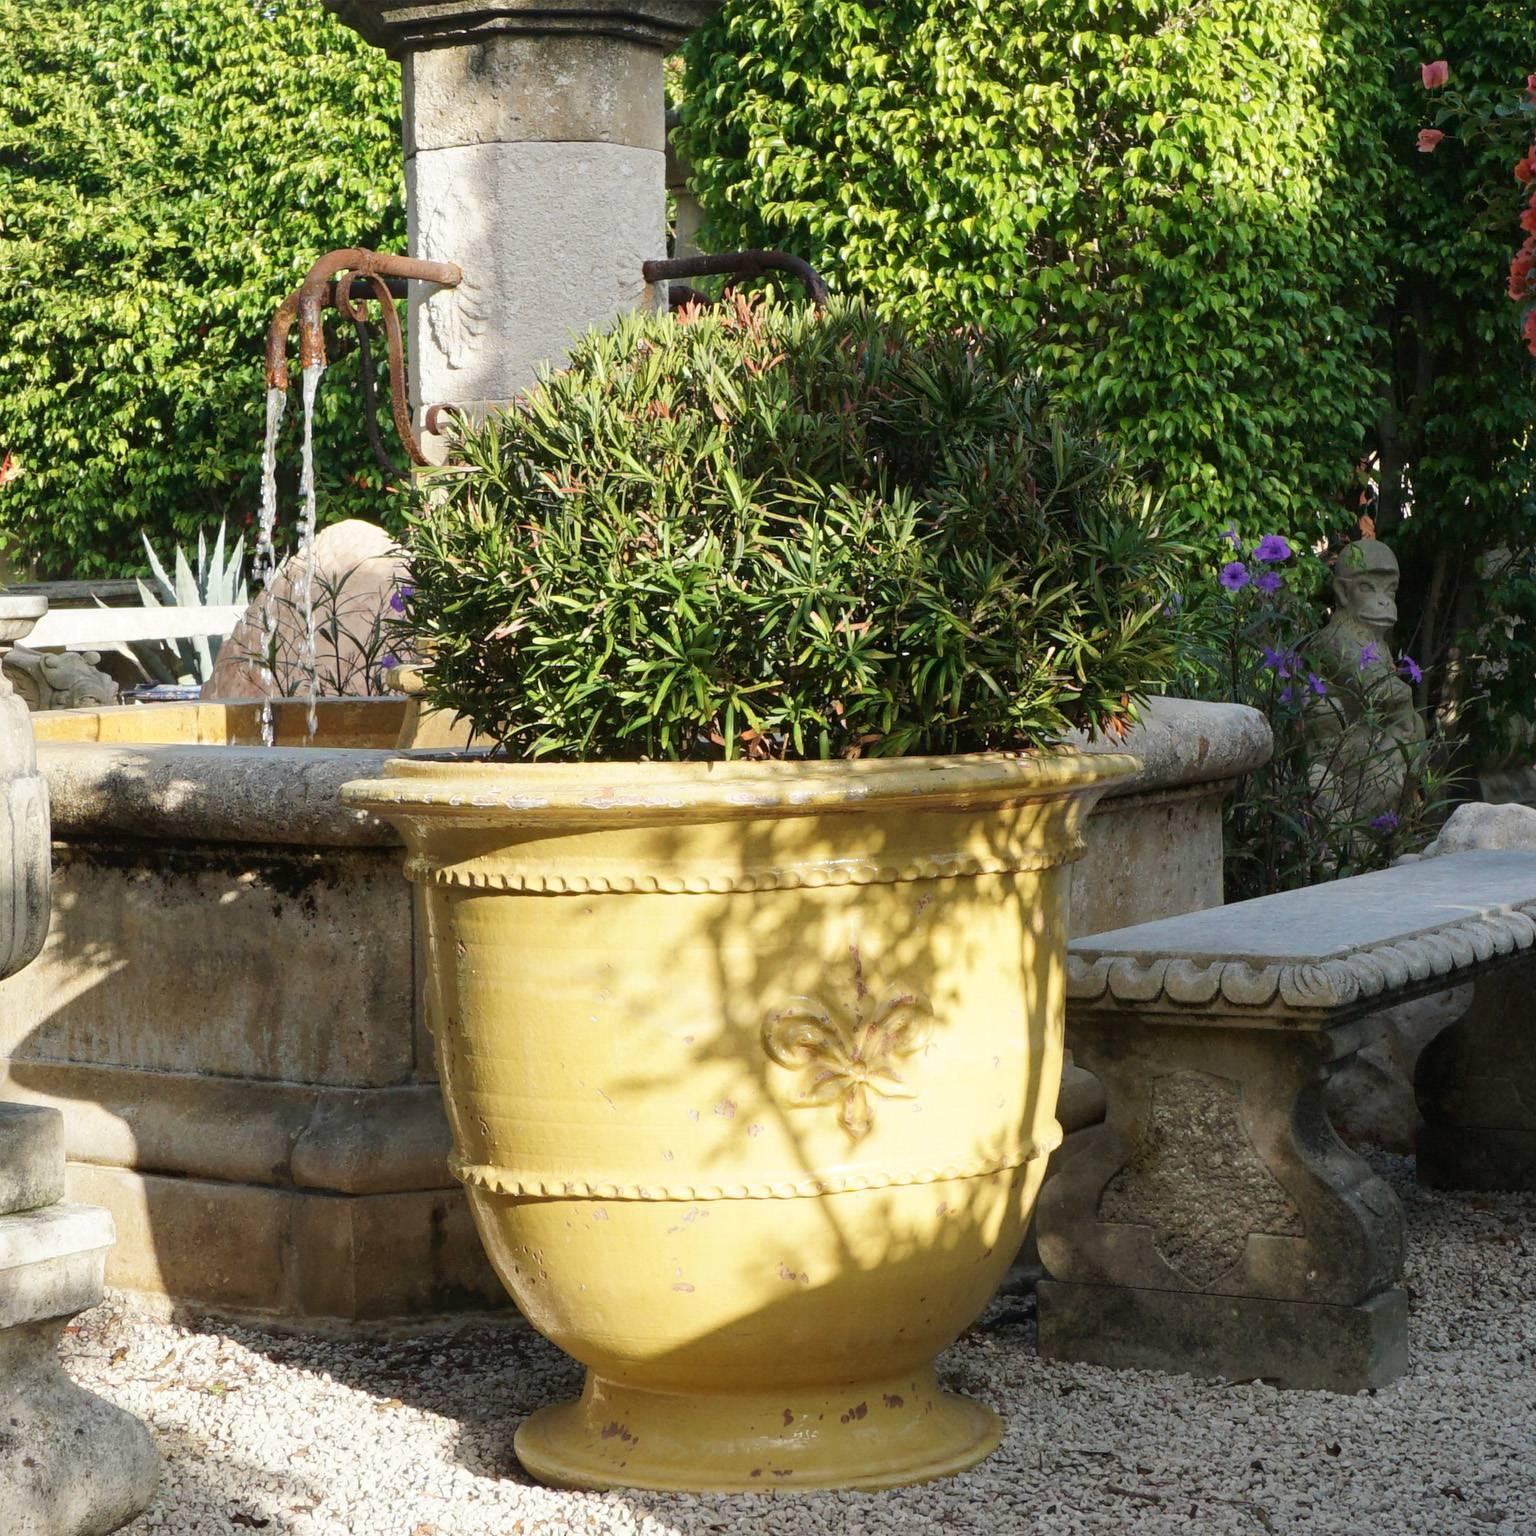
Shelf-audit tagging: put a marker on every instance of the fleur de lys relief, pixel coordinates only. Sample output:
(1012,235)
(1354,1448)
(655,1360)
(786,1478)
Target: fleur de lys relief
(848,1056)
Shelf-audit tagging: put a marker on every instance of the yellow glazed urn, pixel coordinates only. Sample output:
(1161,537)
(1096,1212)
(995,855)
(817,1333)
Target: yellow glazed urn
(752,1073)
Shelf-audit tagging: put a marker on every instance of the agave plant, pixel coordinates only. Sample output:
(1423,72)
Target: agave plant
(215,582)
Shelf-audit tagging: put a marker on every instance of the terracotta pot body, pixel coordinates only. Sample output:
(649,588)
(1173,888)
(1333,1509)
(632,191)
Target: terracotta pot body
(752,1074)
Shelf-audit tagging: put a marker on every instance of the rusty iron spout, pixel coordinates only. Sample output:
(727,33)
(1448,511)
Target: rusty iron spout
(307,303)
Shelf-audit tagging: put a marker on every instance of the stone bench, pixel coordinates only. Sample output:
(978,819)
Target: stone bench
(1215,1223)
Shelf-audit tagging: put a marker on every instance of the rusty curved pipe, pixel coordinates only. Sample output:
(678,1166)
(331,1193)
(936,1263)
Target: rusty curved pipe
(307,301)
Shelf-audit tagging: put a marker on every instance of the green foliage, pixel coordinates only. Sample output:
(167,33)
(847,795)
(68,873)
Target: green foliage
(759,531)
(1318,810)
(1458,449)
(1212,222)
(214,583)
(1178,208)
(168,169)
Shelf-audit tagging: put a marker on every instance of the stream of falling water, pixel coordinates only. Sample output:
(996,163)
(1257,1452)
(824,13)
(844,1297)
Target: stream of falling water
(266,553)
(308,658)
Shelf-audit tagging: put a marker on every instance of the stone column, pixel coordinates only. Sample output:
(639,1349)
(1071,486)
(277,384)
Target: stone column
(536,159)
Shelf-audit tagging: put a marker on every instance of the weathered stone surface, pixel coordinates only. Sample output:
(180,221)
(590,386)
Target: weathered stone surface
(1196,1182)
(62,680)
(24,863)
(358,568)
(258,795)
(1188,741)
(1371,1097)
(239,962)
(1474,826)
(338,1140)
(254,1250)
(555,88)
(73,1465)
(1154,842)
(585,216)
(1217,1173)
(1476,1087)
(31,1158)
(405,26)
(1237,1338)
(1312,953)
(70,1464)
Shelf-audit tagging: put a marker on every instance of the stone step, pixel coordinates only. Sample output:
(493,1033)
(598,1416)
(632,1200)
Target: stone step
(31,1158)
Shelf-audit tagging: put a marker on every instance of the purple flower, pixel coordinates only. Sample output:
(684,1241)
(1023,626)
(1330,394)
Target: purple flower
(1386,822)
(1234,576)
(1272,548)
(1368,654)
(1229,533)
(1269,581)
(388,661)
(1287,694)
(1411,669)
(1316,684)
(399,598)
(1174,606)
(1282,663)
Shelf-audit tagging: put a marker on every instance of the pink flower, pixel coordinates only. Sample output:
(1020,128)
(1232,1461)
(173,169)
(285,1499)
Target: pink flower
(1530,86)
(1528,219)
(1428,138)
(1434,75)
(1525,170)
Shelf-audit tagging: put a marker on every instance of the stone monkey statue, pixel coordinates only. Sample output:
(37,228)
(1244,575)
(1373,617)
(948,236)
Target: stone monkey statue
(1364,734)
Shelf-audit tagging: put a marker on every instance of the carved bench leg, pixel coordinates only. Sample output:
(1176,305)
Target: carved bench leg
(1476,1087)
(1215,1224)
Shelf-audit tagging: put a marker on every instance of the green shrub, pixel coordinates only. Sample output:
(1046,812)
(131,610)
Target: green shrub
(1179,208)
(1458,432)
(766,532)
(168,169)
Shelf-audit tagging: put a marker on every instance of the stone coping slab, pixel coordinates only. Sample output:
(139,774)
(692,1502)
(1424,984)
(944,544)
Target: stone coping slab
(56,1232)
(199,790)
(1309,954)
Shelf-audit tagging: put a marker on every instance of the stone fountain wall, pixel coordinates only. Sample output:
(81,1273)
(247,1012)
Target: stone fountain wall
(229,1013)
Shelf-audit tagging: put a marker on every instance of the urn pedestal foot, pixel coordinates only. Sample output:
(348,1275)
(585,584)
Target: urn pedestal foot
(876,1434)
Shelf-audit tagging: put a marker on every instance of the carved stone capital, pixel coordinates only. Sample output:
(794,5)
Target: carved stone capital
(400,27)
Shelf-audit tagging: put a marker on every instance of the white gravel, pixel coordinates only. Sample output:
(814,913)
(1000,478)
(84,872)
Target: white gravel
(411,1435)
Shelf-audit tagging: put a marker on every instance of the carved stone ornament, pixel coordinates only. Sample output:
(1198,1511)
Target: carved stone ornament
(1196,1180)
(68,680)
(848,1055)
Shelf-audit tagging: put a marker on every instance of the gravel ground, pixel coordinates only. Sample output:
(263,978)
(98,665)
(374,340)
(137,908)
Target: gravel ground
(411,1435)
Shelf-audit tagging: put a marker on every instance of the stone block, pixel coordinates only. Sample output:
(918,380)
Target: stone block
(269,963)
(70,1464)
(556,89)
(551,238)
(255,1251)
(340,1140)
(31,1157)
(1298,1344)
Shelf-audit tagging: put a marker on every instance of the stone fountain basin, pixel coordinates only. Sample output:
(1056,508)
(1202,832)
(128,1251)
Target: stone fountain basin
(228,1009)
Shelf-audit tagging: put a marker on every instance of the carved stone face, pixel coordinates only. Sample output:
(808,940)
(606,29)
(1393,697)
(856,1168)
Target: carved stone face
(1370,599)
(1365,584)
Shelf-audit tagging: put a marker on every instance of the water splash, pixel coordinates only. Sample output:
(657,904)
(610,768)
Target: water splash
(266,552)
(308,654)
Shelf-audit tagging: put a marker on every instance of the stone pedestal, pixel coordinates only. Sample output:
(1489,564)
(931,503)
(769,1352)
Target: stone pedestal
(70,1464)
(1476,1087)
(535,158)
(1215,1223)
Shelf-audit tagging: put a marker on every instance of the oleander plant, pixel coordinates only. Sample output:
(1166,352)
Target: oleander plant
(757,530)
